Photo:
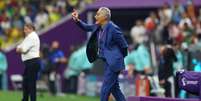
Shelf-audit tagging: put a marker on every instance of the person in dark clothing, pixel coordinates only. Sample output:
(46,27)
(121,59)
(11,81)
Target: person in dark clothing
(168,57)
(30,54)
(56,57)
(108,44)
(3,69)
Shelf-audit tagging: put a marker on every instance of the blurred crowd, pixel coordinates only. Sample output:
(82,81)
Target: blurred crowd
(166,41)
(42,13)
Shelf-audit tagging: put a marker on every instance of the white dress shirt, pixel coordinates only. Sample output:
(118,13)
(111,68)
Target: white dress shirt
(30,47)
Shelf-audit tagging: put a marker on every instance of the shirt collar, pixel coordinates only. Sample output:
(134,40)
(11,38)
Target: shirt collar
(31,33)
(104,26)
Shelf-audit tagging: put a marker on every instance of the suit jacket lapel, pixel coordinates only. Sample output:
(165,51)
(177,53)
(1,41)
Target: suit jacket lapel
(107,34)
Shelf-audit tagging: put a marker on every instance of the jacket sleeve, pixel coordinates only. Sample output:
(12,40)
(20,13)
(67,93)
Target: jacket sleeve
(120,40)
(86,27)
(27,44)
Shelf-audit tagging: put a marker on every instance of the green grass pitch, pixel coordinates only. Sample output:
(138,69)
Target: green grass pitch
(16,96)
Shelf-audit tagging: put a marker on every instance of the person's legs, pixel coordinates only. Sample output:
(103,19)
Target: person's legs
(74,84)
(105,92)
(4,81)
(52,87)
(71,84)
(111,85)
(33,73)
(25,84)
(116,92)
(167,87)
(67,85)
(32,88)
(107,83)
(1,77)
(52,83)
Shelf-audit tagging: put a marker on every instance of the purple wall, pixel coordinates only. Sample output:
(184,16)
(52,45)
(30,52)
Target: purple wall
(66,33)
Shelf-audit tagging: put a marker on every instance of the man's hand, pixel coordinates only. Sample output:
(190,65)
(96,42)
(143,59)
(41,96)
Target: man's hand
(18,50)
(162,82)
(75,15)
(130,70)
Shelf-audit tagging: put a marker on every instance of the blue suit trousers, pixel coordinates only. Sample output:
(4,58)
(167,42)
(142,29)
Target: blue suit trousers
(111,85)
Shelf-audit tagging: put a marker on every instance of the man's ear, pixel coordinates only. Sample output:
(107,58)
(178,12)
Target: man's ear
(106,18)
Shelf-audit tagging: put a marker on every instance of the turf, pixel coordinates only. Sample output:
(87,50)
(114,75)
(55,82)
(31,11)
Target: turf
(16,96)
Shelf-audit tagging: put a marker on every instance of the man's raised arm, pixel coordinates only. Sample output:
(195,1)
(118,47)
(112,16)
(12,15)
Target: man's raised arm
(81,24)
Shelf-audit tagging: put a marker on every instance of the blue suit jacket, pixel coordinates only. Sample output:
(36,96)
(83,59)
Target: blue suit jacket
(115,48)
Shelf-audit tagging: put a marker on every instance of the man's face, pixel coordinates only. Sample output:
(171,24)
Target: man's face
(27,30)
(100,17)
(55,45)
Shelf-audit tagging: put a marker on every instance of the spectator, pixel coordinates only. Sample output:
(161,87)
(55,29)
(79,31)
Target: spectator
(2,4)
(178,65)
(196,46)
(78,63)
(72,4)
(54,15)
(185,20)
(3,70)
(175,34)
(41,20)
(45,51)
(85,3)
(165,35)
(178,10)
(15,34)
(17,21)
(139,61)
(165,14)
(198,28)
(71,73)
(6,24)
(61,3)
(56,57)
(190,9)
(27,18)
(85,70)
(168,57)
(138,32)
(199,17)
(151,22)
(84,63)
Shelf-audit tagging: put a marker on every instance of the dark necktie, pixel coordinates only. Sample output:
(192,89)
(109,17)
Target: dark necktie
(100,34)
(100,37)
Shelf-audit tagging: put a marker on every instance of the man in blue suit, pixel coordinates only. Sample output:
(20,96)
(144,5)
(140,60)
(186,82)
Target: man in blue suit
(106,43)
